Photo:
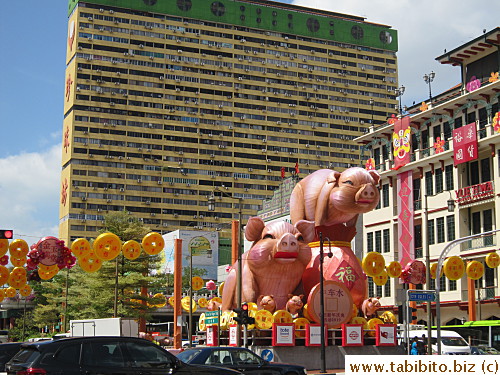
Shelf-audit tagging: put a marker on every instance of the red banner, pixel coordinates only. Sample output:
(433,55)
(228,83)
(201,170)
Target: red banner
(405,218)
(465,144)
(401,142)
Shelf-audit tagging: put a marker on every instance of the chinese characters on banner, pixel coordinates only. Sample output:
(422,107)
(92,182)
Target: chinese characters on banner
(401,142)
(465,144)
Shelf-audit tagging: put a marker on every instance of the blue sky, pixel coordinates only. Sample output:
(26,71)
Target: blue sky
(32,66)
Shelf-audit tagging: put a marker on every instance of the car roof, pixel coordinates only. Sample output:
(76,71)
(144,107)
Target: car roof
(81,339)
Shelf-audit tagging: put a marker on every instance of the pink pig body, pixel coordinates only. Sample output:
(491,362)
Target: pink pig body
(275,263)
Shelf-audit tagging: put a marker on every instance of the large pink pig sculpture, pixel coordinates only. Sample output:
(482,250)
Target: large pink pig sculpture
(333,200)
(274,264)
(329,197)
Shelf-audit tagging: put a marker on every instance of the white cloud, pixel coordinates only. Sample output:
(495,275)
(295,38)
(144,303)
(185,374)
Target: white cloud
(29,193)
(425,30)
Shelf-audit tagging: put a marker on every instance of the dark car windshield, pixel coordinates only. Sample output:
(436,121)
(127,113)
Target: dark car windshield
(26,355)
(453,341)
(188,355)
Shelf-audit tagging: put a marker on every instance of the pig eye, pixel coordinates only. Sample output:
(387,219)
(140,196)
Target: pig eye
(268,236)
(349,182)
(300,237)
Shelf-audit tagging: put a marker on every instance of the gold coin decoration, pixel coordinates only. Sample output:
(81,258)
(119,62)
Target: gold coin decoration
(264,319)
(153,243)
(492,260)
(474,270)
(107,246)
(81,247)
(381,279)
(373,263)
(282,316)
(197,283)
(372,323)
(454,267)
(394,269)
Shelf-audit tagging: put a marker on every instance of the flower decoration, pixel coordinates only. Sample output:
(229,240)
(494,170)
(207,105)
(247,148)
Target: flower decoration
(228,268)
(64,192)
(370,164)
(210,285)
(424,107)
(473,84)
(438,145)
(66,139)
(493,77)
(392,120)
(496,122)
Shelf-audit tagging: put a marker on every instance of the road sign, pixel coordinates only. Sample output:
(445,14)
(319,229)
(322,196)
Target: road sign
(212,317)
(422,296)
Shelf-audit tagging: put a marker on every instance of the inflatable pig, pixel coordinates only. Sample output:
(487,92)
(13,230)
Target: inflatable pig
(295,305)
(329,197)
(370,306)
(274,264)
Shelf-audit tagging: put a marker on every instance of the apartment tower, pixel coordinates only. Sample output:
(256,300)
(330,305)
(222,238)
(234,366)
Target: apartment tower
(167,102)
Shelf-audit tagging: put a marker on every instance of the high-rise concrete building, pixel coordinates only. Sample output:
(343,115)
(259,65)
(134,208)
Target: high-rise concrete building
(167,101)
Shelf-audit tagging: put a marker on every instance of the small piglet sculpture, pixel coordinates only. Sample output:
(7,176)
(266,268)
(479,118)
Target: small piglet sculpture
(370,307)
(274,264)
(266,303)
(295,305)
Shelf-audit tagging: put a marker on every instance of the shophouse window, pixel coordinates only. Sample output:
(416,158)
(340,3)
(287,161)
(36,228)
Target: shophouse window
(376,156)
(471,117)
(489,278)
(450,227)
(438,176)
(452,285)
(447,130)
(430,232)
(371,288)
(448,176)
(436,133)
(440,229)
(378,241)
(369,242)
(387,241)
(387,288)
(385,195)
(476,223)
(425,139)
(459,122)
(485,170)
(417,198)
(379,291)
(474,173)
(429,189)
(418,241)
(488,226)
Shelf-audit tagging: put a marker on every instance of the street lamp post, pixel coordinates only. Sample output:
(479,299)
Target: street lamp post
(425,228)
(428,78)
(399,93)
(211,207)
(322,300)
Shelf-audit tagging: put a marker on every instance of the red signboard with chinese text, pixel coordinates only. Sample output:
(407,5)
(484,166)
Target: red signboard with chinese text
(352,335)
(465,144)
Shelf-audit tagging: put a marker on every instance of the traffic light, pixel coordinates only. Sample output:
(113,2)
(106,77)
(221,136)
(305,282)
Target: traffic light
(413,315)
(6,234)
(242,316)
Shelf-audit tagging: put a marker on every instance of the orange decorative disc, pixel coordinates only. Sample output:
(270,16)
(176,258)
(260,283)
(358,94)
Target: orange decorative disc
(10,292)
(81,247)
(18,262)
(4,275)
(492,260)
(394,269)
(25,290)
(90,263)
(4,247)
(19,249)
(373,263)
(131,249)
(197,283)
(107,246)
(153,243)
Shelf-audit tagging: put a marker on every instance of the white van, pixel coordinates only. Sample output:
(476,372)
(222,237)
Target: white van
(451,342)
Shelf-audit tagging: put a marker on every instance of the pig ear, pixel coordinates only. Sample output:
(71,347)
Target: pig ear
(306,228)
(375,176)
(301,296)
(290,296)
(333,177)
(254,228)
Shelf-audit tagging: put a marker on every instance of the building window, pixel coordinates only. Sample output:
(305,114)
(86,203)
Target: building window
(442,283)
(418,241)
(448,175)
(369,242)
(430,232)
(440,229)
(429,189)
(438,176)
(371,289)
(452,285)
(379,291)
(485,170)
(417,198)
(385,195)
(378,241)
(387,241)
(474,173)
(387,288)
(450,227)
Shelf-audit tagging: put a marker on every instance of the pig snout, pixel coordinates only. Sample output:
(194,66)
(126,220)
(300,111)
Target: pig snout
(287,247)
(366,194)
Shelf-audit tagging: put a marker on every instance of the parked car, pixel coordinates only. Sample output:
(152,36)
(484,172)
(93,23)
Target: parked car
(241,359)
(477,351)
(7,351)
(488,349)
(102,355)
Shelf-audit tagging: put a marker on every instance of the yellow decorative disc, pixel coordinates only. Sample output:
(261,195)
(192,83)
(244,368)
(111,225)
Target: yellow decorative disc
(282,316)
(202,302)
(201,322)
(2,294)
(381,279)
(454,267)
(474,270)
(300,324)
(359,320)
(216,299)
(355,310)
(19,249)
(252,306)
(492,260)
(18,262)
(131,249)
(10,292)
(25,290)
(153,243)
(389,317)
(48,272)
(220,289)
(4,247)
(197,283)
(162,300)
(372,323)
(107,246)
(433,270)
(17,277)
(394,269)
(373,263)
(306,313)
(264,319)
(81,247)
(185,304)
(171,301)
(4,275)
(90,263)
